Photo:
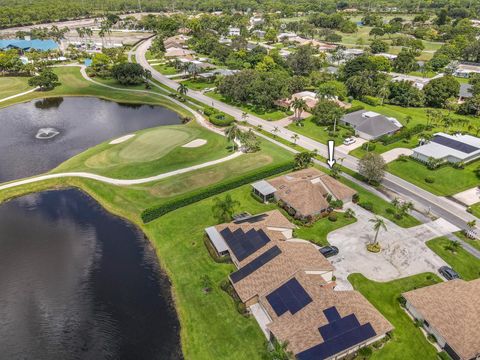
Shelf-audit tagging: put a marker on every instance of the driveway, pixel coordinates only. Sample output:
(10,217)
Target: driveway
(393,154)
(404,252)
(469,197)
(347,148)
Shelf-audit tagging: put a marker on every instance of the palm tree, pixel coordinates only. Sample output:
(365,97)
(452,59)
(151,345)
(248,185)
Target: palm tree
(349,213)
(232,133)
(295,137)
(244,116)
(275,131)
(378,224)
(298,105)
(182,89)
(223,209)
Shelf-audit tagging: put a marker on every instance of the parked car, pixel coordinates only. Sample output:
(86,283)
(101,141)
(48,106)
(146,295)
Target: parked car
(328,251)
(349,141)
(448,273)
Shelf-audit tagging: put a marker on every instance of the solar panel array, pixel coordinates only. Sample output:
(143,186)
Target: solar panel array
(454,144)
(338,335)
(244,244)
(251,219)
(254,265)
(291,296)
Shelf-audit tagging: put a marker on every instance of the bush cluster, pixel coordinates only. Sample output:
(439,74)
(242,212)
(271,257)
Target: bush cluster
(218,118)
(156,211)
(354,108)
(405,133)
(372,100)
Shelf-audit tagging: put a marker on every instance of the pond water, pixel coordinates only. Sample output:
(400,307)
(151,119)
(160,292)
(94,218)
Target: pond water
(37,136)
(79,283)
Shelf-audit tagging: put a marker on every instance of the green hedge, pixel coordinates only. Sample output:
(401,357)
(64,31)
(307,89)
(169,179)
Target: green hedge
(156,211)
(404,133)
(354,108)
(371,100)
(218,118)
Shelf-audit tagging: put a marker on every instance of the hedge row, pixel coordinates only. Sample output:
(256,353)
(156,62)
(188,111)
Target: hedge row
(402,134)
(354,108)
(218,118)
(156,211)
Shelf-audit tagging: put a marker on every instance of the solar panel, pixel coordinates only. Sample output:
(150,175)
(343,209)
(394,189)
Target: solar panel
(338,344)
(255,264)
(339,327)
(332,314)
(251,219)
(454,144)
(244,244)
(291,296)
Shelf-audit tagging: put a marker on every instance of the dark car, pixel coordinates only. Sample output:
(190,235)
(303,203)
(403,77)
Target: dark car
(328,251)
(448,273)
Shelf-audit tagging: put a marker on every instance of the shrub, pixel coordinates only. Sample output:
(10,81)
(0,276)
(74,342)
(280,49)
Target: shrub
(405,133)
(402,301)
(369,146)
(367,205)
(432,338)
(336,204)
(429,180)
(354,108)
(221,119)
(372,100)
(365,352)
(156,211)
(458,165)
(355,198)
(332,217)
(374,248)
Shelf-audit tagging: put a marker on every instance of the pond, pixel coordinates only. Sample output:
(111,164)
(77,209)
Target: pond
(79,283)
(39,135)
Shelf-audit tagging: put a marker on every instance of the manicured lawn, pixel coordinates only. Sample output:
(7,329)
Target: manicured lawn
(317,233)
(198,84)
(271,115)
(165,69)
(115,83)
(320,132)
(467,265)
(13,85)
(448,181)
(408,342)
(476,209)
(474,243)
(150,152)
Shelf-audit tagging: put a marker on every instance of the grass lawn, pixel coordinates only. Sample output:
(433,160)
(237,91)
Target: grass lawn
(12,85)
(476,209)
(198,84)
(474,243)
(320,132)
(150,152)
(467,265)
(115,83)
(448,181)
(165,69)
(270,115)
(408,342)
(318,231)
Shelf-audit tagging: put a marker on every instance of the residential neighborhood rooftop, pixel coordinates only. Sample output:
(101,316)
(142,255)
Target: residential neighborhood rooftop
(371,125)
(451,308)
(451,148)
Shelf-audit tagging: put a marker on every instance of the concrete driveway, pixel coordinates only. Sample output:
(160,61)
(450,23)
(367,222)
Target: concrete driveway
(347,148)
(393,154)
(469,197)
(404,252)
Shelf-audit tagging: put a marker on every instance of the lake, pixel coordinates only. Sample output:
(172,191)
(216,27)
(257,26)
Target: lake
(79,283)
(37,136)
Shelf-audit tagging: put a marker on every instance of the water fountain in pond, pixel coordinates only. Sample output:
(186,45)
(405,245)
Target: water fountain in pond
(46,133)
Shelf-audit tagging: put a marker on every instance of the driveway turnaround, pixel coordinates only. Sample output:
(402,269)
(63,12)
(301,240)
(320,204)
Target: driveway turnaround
(393,154)
(404,252)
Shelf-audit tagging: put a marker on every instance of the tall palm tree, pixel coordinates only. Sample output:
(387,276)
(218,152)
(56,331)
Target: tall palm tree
(298,105)
(275,130)
(378,224)
(232,133)
(182,89)
(244,116)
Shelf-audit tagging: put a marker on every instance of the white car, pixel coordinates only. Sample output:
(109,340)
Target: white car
(349,141)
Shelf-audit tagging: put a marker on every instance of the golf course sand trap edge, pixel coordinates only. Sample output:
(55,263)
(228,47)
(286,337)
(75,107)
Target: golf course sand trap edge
(121,139)
(195,143)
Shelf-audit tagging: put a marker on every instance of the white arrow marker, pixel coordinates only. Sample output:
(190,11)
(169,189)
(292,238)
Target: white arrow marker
(331,153)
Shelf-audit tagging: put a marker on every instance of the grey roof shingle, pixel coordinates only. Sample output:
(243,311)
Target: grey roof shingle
(374,126)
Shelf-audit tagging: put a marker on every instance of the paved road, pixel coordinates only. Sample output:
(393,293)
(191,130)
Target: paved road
(439,206)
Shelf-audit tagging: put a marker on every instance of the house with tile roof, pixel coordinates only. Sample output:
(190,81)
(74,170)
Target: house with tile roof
(305,193)
(450,311)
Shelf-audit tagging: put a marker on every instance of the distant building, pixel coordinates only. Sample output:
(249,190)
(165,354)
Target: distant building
(178,52)
(466,69)
(417,81)
(256,20)
(370,125)
(233,31)
(27,45)
(450,312)
(465,93)
(449,148)
(259,33)
(287,36)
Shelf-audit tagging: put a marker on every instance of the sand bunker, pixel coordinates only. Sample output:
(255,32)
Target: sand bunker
(121,139)
(195,143)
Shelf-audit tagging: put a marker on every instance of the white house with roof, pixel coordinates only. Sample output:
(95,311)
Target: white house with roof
(466,69)
(449,148)
(417,81)
(233,31)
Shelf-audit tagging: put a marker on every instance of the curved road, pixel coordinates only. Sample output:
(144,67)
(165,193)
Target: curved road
(435,204)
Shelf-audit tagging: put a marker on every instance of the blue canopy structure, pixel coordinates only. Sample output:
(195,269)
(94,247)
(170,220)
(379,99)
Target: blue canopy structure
(26,45)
